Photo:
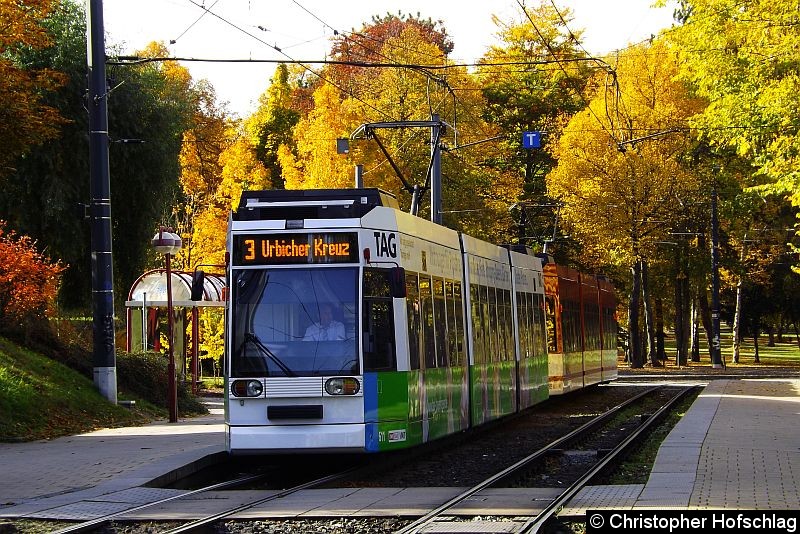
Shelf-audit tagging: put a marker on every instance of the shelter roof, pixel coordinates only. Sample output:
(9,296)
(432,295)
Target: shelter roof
(150,290)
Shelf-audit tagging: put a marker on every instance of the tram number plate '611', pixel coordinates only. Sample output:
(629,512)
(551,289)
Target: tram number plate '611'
(272,249)
(392,436)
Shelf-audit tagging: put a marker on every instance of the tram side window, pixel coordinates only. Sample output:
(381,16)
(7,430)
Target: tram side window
(523,325)
(550,324)
(477,323)
(591,321)
(426,306)
(507,338)
(539,329)
(570,320)
(491,324)
(378,322)
(414,320)
(458,314)
(440,322)
(501,325)
(452,341)
(609,329)
(500,334)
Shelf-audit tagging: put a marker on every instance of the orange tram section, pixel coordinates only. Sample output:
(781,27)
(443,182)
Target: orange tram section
(580,314)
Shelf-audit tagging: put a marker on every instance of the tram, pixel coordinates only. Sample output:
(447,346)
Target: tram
(353,326)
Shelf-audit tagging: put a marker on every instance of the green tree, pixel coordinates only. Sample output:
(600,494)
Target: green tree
(531,93)
(43,193)
(271,125)
(742,57)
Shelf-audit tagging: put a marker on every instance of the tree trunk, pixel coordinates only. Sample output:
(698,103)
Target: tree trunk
(682,314)
(695,331)
(705,316)
(737,320)
(637,359)
(771,338)
(756,357)
(659,309)
(686,305)
(680,332)
(650,327)
(797,334)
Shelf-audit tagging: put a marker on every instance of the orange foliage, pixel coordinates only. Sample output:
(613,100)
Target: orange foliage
(21,88)
(28,280)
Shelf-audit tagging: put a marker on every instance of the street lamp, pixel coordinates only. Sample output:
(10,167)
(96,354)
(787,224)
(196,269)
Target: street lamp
(169,243)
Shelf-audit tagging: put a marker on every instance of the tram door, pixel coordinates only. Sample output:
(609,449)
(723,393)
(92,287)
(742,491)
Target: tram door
(378,339)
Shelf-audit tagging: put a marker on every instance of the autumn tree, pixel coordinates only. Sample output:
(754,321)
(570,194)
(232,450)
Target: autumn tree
(271,125)
(213,177)
(742,57)
(367,45)
(759,247)
(43,194)
(314,163)
(421,84)
(28,281)
(620,171)
(526,90)
(26,116)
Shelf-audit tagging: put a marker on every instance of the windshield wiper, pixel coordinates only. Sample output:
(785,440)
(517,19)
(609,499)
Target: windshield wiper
(249,336)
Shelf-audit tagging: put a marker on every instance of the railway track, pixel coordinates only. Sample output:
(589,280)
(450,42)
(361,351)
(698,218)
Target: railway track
(524,473)
(439,521)
(198,524)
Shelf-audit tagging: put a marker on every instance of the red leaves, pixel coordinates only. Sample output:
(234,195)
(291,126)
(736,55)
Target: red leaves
(28,279)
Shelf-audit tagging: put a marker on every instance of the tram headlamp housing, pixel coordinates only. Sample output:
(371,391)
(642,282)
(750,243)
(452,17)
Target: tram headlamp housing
(247,388)
(342,386)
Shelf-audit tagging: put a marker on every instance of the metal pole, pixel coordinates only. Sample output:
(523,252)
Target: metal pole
(436,172)
(144,321)
(104,352)
(195,349)
(172,400)
(716,349)
(359,183)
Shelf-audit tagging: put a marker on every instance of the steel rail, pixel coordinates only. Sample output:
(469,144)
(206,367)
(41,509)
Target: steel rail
(535,523)
(101,521)
(436,512)
(199,523)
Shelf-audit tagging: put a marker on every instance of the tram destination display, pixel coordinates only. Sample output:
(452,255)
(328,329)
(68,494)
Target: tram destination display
(302,248)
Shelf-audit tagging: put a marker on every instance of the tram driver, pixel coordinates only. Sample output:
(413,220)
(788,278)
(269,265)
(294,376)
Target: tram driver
(327,328)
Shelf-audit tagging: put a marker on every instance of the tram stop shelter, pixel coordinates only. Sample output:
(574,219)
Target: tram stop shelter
(147,303)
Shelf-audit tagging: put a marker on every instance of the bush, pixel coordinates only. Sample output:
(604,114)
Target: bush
(144,374)
(28,280)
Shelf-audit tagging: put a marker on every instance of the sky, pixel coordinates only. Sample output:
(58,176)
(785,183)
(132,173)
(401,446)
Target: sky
(302,30)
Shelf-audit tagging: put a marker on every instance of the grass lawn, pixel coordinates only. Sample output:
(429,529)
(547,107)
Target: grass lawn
(41,399)
(784,355)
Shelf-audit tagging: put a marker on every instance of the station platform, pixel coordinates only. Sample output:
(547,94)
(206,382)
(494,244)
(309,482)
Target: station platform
(736,448)
(47,474)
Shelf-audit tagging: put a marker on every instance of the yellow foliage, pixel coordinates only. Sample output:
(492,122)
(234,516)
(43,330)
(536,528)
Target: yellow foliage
(240,171)
(316,165)
(620,194)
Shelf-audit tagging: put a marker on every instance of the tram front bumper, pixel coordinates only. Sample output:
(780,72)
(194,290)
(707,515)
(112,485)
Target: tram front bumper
(299,439)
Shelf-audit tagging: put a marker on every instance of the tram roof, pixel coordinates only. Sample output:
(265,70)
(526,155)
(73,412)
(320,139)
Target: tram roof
(311,203)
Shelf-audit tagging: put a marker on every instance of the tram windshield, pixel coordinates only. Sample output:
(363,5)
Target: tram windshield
(294,322)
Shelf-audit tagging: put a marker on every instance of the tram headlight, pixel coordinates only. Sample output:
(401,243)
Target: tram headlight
(247,388)
(342,386)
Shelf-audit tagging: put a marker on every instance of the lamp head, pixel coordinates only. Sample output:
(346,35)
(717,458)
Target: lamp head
(166,241)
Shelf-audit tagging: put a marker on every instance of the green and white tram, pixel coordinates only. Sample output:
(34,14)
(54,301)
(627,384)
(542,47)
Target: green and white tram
(355,327)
